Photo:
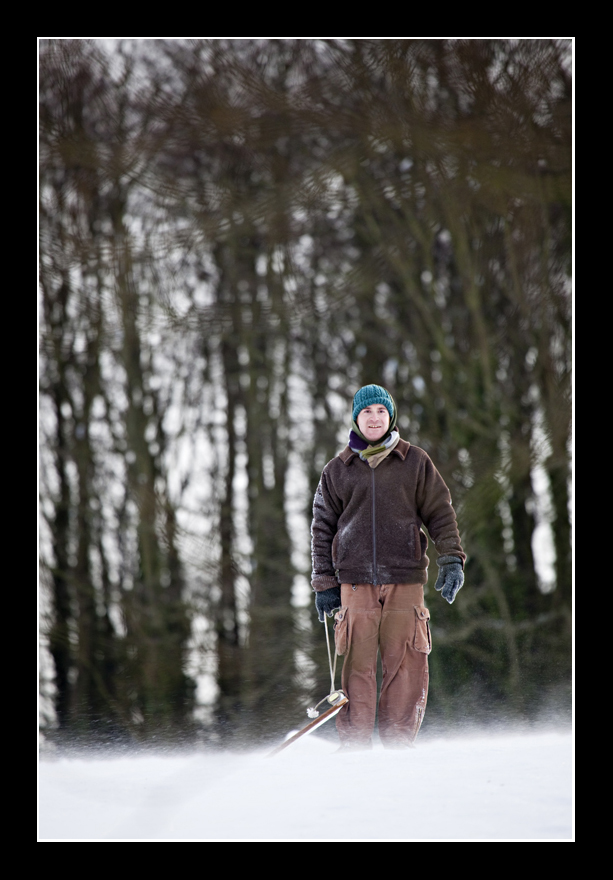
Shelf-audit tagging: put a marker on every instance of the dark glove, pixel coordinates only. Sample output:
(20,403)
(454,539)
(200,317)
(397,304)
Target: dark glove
(450,576)
(327,602)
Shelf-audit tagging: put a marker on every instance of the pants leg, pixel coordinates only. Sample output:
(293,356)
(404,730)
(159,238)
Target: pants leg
(404,642)
(356,721)
(393,620)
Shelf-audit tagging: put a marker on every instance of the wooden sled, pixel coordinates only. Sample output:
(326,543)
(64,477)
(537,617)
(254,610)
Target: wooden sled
(337,699)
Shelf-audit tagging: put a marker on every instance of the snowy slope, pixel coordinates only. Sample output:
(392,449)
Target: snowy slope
(484,786)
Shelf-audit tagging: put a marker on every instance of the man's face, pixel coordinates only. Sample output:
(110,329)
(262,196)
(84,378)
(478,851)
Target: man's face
(373,421)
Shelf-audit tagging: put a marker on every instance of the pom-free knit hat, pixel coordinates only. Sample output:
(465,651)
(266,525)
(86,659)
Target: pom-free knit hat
(370,395)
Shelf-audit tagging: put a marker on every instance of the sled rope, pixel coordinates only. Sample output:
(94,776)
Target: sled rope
(332,668)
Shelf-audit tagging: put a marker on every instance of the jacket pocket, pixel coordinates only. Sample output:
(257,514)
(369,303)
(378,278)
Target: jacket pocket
(341,637)
(423,638)
(417,543)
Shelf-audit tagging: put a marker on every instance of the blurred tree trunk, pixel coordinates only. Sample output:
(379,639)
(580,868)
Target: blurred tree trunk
(55,387)
(229,649)
(269,662)
(156,616)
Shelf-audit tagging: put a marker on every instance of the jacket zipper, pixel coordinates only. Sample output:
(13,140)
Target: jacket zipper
(374,534)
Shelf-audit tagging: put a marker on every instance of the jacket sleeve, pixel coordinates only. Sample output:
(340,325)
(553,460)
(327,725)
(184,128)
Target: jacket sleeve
(437,513)
(327,508)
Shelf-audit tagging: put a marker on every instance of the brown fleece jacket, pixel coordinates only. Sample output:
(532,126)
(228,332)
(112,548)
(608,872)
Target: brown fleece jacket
(367,521)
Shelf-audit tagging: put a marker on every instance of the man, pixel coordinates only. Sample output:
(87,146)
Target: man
(369,561)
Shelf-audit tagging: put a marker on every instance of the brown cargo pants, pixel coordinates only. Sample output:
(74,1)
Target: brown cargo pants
(390,619)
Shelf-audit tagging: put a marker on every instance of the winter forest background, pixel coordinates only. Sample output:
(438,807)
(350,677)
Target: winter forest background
(235,234)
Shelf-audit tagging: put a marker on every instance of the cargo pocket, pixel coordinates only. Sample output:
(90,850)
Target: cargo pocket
(423,638)
(341,640)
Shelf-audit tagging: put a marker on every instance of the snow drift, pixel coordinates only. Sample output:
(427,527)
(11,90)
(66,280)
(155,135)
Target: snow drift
(487,786)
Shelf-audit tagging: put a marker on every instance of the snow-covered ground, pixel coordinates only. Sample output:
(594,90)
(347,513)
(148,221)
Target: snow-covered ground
(483,786)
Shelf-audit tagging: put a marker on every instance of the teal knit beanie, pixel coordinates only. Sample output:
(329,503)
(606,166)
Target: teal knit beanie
(369,395)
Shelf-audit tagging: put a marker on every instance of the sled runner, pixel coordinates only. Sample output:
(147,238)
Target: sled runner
(336,699)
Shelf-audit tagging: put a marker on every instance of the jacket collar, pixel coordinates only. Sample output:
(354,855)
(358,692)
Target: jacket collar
(401,449)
